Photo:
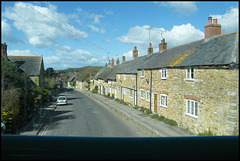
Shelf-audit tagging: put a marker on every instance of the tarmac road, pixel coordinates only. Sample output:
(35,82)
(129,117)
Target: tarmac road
(85,117)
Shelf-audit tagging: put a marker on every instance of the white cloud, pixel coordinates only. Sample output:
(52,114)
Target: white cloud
(96,29)
(21,53)
(229,21)
(7,35)
(178,35)
(108,12)
(96,18)
(34,20)
(186,8)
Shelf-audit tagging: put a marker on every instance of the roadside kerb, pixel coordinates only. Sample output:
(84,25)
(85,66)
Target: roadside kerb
(148,124)
(38,121)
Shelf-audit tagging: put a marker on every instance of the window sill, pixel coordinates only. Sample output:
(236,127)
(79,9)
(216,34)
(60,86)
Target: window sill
(163,106)
(163,78)
(190,80)
(193,116)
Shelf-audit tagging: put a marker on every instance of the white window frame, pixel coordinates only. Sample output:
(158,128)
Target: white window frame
(124,77)
(130,93)
(190,73)
(163,103)
(142,73)
(142,94)
(148,96)
(124,91)
(119,89)
(164,73)
(118,76)
(113,90)
(192,108)
(109,82)
(132,76)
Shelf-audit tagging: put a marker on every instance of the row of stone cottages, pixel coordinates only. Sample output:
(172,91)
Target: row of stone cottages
(195,84)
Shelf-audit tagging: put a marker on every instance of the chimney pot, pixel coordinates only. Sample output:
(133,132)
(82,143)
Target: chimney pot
(215,21)
(209,19)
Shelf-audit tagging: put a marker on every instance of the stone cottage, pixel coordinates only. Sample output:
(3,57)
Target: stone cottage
(195,84)
(33,66)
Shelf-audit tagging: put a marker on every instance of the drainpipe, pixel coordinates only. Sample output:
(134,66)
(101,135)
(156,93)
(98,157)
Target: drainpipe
(151,91)
(136,91)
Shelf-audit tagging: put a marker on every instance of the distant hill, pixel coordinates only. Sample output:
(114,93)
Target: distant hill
(84,73)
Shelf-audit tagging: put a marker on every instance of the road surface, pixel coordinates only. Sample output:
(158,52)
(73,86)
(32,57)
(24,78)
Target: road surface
(85,117)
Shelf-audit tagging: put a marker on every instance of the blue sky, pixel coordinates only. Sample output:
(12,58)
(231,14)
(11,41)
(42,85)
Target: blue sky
(76,34)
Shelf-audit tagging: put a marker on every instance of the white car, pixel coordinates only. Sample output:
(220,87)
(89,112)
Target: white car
(61,100)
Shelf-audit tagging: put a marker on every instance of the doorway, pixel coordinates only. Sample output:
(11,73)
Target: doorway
(155,103)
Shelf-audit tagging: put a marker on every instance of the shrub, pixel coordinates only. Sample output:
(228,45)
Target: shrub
(206,133)
(95,90)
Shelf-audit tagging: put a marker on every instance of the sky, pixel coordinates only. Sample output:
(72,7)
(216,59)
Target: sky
(75,34)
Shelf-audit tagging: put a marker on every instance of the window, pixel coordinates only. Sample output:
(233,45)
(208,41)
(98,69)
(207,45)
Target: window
(130,93)
(119,89)
(148,95)
(142,73)
(118,76)
(132,76)
(124,91)
(142,94)
(112,90)
(124,76)
(192,108)
(164,73)
(190,73)
(163,100)
(109,82)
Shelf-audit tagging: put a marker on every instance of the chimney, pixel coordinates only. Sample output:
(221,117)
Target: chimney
(212,29)
(4,50)
(105,63)
(117,61)
(112,62)
(150,49)
(209,19)
(215,21)
(109,64)
(123,59)
(162,45)
(135,52)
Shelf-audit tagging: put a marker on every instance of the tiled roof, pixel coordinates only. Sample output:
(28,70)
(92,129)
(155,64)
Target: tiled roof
(218,50)
(30,64)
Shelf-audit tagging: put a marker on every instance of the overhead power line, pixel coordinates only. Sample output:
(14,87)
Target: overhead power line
(70,30)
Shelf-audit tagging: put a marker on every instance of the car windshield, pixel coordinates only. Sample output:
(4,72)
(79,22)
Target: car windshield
(125,68)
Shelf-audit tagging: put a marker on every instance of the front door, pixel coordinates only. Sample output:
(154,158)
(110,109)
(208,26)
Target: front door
(155,103)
